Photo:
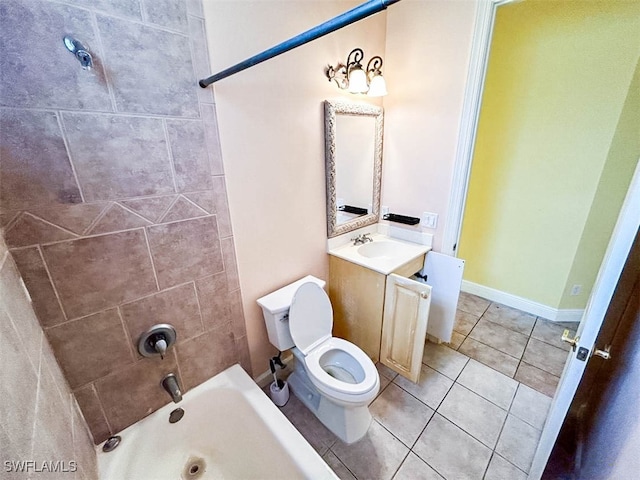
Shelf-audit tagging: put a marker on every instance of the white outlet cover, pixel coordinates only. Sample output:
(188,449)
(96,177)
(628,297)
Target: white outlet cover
(429,220)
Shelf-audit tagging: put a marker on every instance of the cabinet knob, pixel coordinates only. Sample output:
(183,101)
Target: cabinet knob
(424,295)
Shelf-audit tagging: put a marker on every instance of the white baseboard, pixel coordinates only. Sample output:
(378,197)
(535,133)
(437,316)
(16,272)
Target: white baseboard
(529,306)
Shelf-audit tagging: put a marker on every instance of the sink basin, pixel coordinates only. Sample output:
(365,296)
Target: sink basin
(383,255)
(379,249)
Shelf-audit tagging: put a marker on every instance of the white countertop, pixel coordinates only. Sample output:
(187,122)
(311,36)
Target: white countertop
(383,257)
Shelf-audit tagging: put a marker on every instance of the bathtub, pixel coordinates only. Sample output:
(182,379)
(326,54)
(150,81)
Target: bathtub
(230,430)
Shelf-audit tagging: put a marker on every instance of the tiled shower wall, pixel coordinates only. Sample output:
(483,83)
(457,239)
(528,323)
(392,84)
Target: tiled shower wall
(39,418)
(112,197)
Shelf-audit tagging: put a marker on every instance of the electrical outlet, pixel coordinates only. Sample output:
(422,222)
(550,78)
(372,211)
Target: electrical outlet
(384,210)
(576,290)
(429,220)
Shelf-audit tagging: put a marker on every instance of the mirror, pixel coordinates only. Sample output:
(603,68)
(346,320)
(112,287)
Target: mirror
(353,156)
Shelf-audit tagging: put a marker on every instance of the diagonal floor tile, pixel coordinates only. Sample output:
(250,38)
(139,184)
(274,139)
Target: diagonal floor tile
(472,304)
(537,379)
(377,455)
(431,388)
(490,356)
(451,452)
(402,414)
(465,322)
(551,333)
(413,468)
(488,383)
(531,406)
(456,340)
(518,442)
(475,415)
(319,436)
(501,338)
(545,357)
(500,469)
(510,318)
(443,359)
(337,466)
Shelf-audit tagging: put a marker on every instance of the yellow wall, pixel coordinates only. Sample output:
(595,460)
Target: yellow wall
(614,183)
(558,77)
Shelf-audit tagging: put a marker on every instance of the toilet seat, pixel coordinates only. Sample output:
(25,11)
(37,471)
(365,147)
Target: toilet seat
(310,324)
(368,375)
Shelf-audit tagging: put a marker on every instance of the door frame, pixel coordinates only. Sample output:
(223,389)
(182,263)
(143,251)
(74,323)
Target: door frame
(613,262)
(471,105)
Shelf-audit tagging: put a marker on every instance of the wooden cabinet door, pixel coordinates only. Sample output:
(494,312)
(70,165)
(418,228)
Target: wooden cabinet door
(404,325)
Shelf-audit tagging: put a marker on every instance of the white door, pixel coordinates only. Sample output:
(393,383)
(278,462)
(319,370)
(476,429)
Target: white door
(404,325)
(612,265)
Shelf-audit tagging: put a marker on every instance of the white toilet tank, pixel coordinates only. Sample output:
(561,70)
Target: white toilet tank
(275,309)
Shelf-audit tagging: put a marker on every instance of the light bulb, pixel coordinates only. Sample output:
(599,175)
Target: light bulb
(377,87)
(358,81)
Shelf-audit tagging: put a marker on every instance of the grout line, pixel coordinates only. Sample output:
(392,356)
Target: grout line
(127,334)
(110,233)
(196,205)
(153,264)
(168,209)
(180,377)
(12,221)
(75,235)
(134,213)
(156,116)
(195,289)
(172,165)
(103,62)
(101,405)
(53,286)
(82,317)
(143,12)
(67,147)
(37,398)
(98,219)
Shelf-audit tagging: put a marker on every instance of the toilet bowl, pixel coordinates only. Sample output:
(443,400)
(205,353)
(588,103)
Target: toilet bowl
(332,377)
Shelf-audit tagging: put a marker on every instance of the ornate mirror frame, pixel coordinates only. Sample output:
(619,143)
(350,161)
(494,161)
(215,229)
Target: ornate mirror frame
(331,110)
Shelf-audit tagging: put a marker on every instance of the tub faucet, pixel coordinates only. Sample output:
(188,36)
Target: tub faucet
(170,384)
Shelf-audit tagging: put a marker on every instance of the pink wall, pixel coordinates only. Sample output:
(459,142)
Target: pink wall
(272,135)
(427,55)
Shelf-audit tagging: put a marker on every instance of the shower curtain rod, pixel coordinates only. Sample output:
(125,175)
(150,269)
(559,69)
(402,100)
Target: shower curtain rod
(358,13)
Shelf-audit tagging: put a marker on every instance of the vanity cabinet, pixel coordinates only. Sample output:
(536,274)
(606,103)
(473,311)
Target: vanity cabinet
(385,315)
(389,315)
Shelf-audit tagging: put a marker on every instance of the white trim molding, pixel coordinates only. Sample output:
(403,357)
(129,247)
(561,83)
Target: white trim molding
(478,61)
(526,305)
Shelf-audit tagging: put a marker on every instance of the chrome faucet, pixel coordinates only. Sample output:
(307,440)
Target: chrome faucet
(362,239)
(170,384)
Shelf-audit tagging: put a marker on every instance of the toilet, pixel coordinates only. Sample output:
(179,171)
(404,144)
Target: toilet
(332,377)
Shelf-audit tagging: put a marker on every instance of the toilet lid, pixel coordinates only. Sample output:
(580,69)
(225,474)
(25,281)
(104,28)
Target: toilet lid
(310,317)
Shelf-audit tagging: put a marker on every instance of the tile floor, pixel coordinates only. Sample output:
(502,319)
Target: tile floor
(520,345)
(475,413)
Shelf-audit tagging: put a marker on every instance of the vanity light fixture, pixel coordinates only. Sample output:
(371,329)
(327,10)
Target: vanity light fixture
(352,77)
